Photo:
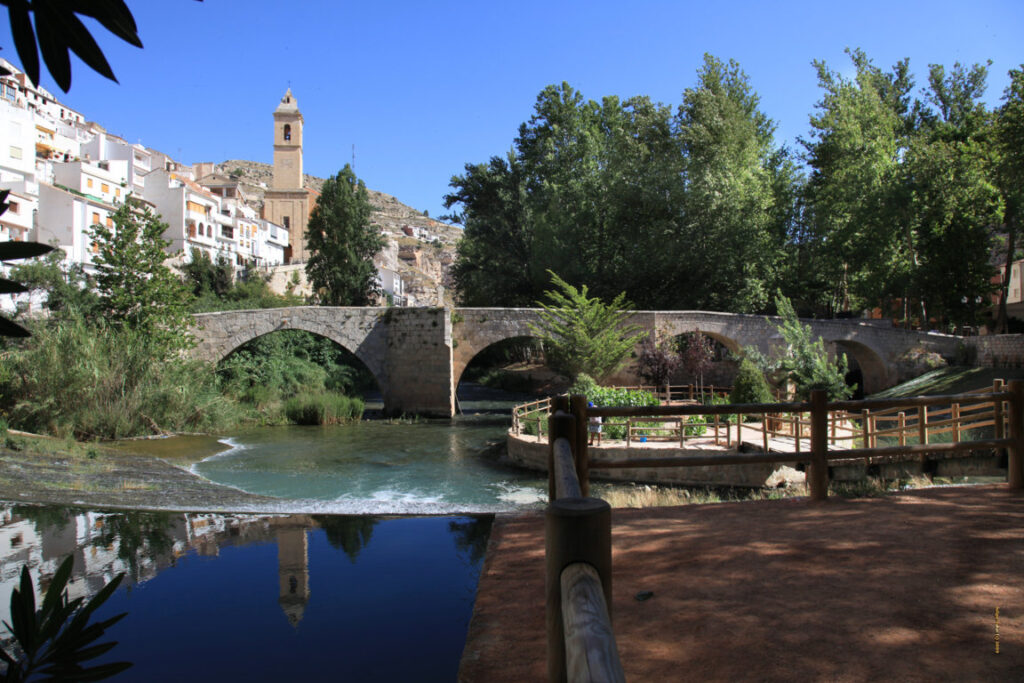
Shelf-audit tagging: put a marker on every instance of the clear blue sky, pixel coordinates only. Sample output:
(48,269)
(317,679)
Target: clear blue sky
(421,89)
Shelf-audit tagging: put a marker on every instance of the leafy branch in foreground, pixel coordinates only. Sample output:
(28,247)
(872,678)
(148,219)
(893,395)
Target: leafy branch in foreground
(583,334)
(57,638)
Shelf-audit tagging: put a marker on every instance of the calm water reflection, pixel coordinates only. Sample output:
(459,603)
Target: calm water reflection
(248,597)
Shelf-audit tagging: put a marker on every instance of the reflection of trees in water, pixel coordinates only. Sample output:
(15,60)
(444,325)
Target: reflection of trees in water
(470,535)
(45,517)
(350,533)
(142,535)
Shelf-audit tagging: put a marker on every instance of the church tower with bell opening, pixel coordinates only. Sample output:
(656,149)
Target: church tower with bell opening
(288,202)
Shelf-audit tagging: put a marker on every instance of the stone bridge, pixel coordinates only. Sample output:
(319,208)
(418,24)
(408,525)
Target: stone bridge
(418,355)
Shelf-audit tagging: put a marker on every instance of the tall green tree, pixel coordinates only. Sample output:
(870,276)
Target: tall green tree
(1009,172)
(342,243)
(495,253)
(859,134)
(135,288)
(728,225)
(954,205)
(627,197)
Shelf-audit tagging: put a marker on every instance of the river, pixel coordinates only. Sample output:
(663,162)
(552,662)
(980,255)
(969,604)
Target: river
(378,466)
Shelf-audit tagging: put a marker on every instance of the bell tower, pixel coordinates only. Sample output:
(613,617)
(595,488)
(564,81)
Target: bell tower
(287,203)
(288,144)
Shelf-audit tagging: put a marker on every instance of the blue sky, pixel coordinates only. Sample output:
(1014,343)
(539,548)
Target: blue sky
(421,89)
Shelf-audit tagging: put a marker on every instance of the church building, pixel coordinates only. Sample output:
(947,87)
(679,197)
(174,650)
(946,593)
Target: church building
(287,202)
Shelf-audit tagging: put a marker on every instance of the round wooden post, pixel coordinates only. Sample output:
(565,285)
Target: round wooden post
(817,476)
(580,453)
(1015,459)
(561,425)
(576,530)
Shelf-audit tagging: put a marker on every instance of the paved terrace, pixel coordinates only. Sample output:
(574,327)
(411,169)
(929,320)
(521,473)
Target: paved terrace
(903,587)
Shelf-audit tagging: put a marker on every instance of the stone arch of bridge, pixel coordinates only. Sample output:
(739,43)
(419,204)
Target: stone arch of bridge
(376,375)
(459,366)
(221,334)
(874,370)
(474,330)
(676,329)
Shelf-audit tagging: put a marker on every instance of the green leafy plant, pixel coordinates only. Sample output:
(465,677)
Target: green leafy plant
(583,334)
(136,289)
(55,639)
(750,386)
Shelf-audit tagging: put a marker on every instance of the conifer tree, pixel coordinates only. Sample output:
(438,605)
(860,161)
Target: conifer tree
(342,244)
(584,335)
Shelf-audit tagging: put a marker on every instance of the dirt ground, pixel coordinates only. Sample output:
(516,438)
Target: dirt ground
(900,588)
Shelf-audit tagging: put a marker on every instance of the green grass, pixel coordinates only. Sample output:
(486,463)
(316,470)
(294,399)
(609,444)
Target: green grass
(950,380)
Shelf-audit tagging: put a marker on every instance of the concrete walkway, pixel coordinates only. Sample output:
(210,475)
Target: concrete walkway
(903,587)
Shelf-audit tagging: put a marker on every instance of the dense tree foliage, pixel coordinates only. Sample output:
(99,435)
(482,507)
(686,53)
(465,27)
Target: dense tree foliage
(905,200)
(342,243)
(135,288)
(673,209)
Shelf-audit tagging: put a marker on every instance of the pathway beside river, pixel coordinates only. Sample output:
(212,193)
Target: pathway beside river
(903,587)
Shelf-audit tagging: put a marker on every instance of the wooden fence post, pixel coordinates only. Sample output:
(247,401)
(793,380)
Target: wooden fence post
(818,474)
(955,414)
(561,425)
(581,452)
(865,429)
(997,408)
(576,530)
(1015,459)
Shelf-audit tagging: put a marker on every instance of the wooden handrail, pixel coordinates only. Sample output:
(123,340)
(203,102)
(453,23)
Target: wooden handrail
(578,558)
(590,649)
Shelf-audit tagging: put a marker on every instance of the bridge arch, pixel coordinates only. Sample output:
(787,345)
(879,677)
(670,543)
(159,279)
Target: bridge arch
(354,329)
(474,330)
(874,370)
(348,357)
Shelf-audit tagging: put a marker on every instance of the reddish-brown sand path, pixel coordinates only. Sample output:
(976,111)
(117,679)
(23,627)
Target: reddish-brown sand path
(900,588)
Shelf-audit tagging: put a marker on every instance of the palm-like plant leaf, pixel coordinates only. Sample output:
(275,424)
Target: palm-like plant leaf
(55,639)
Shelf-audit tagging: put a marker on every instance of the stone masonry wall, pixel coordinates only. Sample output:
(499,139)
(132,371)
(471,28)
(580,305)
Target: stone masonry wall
(419,362)
(998,351)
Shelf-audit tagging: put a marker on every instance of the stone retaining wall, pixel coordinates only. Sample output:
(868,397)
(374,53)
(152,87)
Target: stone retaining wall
(998,351)
(527,452)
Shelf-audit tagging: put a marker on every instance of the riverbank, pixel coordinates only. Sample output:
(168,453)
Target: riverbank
(39,469)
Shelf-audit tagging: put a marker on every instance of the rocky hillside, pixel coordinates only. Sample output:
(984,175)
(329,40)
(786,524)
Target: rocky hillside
(423,259)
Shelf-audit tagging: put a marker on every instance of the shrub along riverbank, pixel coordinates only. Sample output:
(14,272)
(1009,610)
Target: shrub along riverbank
(109,362)
(90,379)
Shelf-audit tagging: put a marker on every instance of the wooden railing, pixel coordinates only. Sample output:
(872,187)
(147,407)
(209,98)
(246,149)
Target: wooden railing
(581,643)
(825,421)
(850,424)
(578,563)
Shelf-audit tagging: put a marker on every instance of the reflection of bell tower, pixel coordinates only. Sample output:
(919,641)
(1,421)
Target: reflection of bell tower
(293,571)
(287,202)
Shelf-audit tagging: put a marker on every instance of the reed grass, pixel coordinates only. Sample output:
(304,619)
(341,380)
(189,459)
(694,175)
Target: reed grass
(323,409)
